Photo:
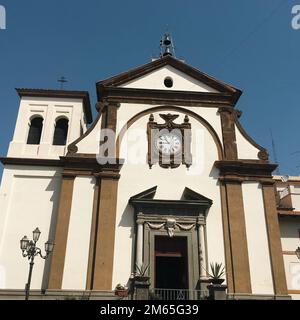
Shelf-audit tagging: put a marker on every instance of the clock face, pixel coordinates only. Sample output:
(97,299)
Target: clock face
(168,143)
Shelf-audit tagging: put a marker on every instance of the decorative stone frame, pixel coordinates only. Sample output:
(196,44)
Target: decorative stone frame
(179,218)
(194,247)
(183,131)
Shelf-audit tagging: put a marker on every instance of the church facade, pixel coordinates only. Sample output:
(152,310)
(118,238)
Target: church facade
(164,177)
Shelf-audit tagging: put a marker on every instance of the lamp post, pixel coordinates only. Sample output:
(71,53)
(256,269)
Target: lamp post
(298,253)
(30,250)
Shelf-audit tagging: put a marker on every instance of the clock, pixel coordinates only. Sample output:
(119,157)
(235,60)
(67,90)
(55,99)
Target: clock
(169,143)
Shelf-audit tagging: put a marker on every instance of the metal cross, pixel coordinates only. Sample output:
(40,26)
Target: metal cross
(62,81)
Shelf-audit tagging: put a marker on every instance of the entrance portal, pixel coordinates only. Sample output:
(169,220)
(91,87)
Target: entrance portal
(171,263)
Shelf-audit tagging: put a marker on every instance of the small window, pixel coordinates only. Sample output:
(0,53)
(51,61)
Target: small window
(61,132)
(35,130)
(168,82)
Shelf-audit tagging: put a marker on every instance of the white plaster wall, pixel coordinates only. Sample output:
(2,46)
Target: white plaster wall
(50,109)
(181,81)
(245,149)
(129,110)
(258,247)
(290,236)
(137,177)
(295,189)
(77,252)
(292,270)
(296,201)
(28,199)
(295,296)
(90,144)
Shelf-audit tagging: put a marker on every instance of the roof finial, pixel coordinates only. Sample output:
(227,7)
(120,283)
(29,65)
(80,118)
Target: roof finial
(167,45)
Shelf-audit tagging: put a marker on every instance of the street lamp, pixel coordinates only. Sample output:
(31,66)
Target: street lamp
(30,250)
(298,253)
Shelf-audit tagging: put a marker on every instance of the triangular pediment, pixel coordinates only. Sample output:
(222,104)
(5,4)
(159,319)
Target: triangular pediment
(180,81)
(184,78)
(191,203)
(188,195)
(147,194)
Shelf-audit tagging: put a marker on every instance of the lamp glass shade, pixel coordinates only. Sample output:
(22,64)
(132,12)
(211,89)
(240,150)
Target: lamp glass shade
(24,243)
(36,234)
(49,247)
(298,253)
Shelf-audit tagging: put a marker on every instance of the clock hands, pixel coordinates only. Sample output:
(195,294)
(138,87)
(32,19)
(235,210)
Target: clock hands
(168,143)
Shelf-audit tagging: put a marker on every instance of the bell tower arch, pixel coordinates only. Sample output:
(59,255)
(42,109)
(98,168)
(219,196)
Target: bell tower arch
(43,116)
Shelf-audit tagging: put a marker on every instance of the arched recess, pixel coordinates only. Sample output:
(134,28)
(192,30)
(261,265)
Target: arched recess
(35,130)
(61,132)
(190,113)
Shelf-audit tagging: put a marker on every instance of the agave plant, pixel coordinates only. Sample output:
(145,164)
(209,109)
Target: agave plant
(217,270)
(142,270)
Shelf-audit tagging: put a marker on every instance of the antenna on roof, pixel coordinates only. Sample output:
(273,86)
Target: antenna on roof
(274,153)
(62,81)
(285,178)
(167,45)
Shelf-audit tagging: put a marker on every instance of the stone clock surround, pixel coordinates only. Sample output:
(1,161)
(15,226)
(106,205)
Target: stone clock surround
(154,130)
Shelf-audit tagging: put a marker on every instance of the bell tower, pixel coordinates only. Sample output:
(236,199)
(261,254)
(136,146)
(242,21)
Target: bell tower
(49,120)
(167,46)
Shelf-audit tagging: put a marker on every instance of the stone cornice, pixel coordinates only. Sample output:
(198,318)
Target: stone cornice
(245,170)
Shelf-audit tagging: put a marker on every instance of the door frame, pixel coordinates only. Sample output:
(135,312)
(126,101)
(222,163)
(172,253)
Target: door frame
(184,258)
(192,253)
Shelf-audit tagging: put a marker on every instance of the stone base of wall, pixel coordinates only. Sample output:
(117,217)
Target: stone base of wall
(58,295)
(256,297)
(106,295)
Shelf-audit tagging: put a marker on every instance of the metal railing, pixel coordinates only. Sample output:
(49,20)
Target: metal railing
(178,294)
(283,193)
(287,191)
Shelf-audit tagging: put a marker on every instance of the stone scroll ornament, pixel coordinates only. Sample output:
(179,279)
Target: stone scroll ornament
(170,225)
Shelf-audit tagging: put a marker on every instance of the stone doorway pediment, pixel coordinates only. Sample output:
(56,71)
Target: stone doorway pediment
(191,203)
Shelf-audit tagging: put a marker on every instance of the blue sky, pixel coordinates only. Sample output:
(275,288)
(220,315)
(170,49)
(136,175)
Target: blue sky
(249,44)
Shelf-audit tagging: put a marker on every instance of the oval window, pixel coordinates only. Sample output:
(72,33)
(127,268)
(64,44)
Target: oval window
(168,82)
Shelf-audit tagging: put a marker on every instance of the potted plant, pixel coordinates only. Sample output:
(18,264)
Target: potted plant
(141,273)
(121,291)
(217,271)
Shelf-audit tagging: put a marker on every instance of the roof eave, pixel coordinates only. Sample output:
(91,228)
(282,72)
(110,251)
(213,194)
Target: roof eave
(169,60)
(71,94)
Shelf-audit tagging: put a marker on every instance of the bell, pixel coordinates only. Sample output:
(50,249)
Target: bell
(167,52)
(166,45)
(167,40)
